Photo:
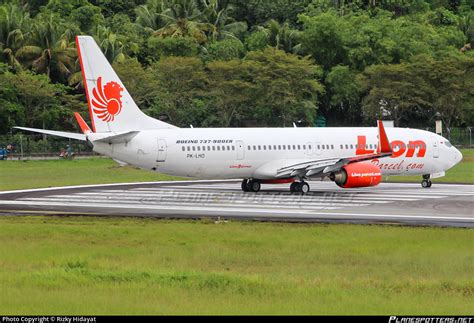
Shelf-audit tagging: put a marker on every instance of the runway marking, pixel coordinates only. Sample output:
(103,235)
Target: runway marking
(200,199)
(245,197)
(280,213)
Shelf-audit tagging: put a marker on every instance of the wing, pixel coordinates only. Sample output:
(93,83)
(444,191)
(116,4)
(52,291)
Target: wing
(321,167)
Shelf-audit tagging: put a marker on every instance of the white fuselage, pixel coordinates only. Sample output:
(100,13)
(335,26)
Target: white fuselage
(258,152)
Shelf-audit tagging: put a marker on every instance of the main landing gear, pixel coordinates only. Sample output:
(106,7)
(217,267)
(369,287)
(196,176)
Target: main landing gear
(251,185)
(299,187)
(254,185)
(426,183)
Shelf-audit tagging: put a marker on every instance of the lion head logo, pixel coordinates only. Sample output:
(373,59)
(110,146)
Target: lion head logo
(107,100)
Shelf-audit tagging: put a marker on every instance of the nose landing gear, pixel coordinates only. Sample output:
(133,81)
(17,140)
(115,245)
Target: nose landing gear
(426,182)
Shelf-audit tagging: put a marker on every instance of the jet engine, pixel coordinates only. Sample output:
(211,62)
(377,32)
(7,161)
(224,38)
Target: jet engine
(360,174)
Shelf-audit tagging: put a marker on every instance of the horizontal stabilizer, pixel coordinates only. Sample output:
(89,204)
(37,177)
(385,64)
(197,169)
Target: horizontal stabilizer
(72,135)
(116,139)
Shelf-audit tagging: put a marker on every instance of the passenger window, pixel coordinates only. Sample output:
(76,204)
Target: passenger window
(183,148)
(213,148)
(254,148)
(309,147)
(264,147)
(319,147)
(228,148)
(198,148)
(294,147)
(279,147)
(248,147)
(219,148)
(304,147)
(341,146)
(332,147)
(233,147)
(274,147)
(299,147)
(208,148)
(347,147)
(259,147)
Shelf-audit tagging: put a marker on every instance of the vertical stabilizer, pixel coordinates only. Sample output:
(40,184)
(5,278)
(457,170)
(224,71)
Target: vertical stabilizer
(111,107)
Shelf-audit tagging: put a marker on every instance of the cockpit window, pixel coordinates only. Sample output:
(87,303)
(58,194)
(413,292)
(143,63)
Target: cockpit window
(447,143)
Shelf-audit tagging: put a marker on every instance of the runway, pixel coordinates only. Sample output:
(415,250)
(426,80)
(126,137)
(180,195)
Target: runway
(442,204)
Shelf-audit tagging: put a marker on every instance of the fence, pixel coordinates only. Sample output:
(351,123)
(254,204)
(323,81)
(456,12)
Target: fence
(36,146)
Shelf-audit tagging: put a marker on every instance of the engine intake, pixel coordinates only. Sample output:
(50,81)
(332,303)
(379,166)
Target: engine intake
(357,175)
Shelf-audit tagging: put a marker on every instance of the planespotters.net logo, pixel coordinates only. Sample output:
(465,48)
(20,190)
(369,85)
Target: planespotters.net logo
(107,100)
(396,319)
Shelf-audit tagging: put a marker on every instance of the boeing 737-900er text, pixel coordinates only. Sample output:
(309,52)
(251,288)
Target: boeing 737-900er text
(351,157)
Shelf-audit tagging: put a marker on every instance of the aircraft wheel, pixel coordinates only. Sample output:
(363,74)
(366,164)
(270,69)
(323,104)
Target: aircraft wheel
(294,187)
(426,183)
(245,185)
(304,187)
(254,185)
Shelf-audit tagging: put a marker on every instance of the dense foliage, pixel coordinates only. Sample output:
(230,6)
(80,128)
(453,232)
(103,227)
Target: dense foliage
(245,63)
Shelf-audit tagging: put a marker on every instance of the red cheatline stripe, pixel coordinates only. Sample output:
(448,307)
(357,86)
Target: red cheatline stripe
(85,82)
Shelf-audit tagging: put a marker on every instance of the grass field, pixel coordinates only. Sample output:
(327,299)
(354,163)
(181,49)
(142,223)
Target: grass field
(46,173)
(81,265)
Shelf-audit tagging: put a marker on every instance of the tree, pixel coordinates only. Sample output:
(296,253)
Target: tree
(13,22)
(322,37)
(288,87)
(344,93)
(393,91)
(452,81)
(110,45)
(182,18)
(226,49)
(46,105)
(80,12)
(138,81)
(182,83)
(50,50)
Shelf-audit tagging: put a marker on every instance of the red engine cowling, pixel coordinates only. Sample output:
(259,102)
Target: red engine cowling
(357,175)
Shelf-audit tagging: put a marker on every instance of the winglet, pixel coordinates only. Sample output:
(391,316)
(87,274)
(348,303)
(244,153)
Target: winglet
(384,144)
(84,127)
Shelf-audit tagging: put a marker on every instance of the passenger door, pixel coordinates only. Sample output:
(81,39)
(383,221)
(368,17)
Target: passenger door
(435,146)
(161,150)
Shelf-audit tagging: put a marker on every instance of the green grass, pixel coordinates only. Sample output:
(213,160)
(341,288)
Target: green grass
(461,173)
(86,265)
(48,173)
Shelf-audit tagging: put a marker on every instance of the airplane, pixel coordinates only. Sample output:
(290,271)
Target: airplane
(351,157)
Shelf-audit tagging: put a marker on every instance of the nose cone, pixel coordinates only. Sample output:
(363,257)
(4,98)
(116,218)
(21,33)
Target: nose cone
(457,156)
